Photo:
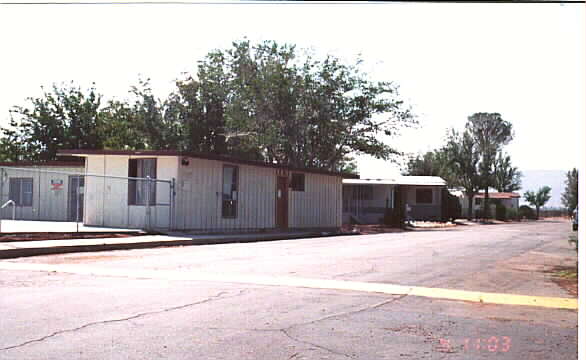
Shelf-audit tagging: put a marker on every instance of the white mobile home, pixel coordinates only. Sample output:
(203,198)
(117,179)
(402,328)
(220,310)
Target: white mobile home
(201,192)
(366,201)
(45,191)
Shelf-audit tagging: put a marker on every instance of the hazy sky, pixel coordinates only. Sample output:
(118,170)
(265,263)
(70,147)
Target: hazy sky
(526,61)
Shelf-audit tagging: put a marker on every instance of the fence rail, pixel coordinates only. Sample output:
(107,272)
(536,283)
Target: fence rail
(69,195)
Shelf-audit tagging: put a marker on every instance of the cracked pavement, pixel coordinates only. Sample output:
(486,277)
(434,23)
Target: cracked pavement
(56,315)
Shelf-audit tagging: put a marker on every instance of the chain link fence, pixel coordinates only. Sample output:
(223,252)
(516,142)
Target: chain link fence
(69,200)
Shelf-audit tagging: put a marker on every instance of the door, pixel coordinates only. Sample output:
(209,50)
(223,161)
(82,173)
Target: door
(282,207)
(75,198)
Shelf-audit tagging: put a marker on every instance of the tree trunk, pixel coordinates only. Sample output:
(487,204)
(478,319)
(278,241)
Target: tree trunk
(537,212)
(485,209)
(470,197)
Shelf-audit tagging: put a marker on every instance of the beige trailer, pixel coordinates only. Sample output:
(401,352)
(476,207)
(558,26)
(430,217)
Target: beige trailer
(197,192)
(45,191)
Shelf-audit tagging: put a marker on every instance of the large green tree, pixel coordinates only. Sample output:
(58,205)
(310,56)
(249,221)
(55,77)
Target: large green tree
(490,133)
(265,101)
(464,161)
(303,111)
(65,118)
(506,177)
(570,194)
(433,163)
(539,198)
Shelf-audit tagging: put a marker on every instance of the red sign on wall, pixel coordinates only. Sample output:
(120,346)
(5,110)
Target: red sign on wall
(57,184)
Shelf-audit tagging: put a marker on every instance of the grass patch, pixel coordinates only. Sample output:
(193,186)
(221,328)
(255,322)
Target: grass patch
(566,274)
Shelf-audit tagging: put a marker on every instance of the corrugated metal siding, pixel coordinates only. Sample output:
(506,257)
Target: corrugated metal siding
(320,205)
(48,204)
(199,197)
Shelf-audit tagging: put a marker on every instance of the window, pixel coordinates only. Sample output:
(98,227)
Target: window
(21,191)
(298,182)
(230,191)
(138,190)
(424,196)
(363,192)
(477,201)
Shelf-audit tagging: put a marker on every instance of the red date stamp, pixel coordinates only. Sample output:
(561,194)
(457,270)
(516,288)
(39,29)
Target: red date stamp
(492,344)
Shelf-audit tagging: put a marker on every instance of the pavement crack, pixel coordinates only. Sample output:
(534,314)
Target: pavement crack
(346,313)
(284,331)
(133,317)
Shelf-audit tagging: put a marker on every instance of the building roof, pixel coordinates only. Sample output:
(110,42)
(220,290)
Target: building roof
(499,195)
(401,180)
(45,163)
(145,153)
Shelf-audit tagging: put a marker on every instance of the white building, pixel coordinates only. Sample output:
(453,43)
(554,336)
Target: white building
(44,191)
(509,200)
(197,192)
(412,197)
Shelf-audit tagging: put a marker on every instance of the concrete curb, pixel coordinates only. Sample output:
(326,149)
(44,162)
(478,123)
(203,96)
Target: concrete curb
(53,250)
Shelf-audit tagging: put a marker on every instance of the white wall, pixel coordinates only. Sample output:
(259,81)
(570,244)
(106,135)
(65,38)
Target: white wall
(106,199)
(48,204)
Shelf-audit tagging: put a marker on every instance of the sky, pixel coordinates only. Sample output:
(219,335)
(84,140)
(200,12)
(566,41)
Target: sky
(524,61)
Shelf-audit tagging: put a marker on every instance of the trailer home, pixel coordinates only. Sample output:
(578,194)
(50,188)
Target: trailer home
(44,191)
(201,192)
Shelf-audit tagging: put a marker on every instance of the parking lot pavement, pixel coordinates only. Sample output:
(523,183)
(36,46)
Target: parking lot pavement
(119,313)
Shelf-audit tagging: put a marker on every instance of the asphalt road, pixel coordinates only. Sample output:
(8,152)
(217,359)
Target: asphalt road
(214,302)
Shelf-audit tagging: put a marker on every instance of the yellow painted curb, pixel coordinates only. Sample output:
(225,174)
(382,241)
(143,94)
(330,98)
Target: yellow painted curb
(436,293)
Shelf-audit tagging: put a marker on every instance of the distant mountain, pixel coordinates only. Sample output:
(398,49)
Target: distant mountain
(534,179)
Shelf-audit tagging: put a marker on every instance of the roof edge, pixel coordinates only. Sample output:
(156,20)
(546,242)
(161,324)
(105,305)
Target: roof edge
(217,157)
(43,163)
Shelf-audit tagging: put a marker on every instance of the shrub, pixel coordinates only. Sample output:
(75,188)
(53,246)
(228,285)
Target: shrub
(512,214)
(526,212)
(501,212)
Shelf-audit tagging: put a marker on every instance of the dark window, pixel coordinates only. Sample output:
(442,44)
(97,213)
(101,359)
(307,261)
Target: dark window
(21,191)
(477,201)
(423,196)
(140,190)
(363,192)
(298,182)
(230,191)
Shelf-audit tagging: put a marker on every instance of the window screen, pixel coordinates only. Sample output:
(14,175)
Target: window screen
(140,190)
(21,191)
(424,196)
(298,182)
(230,191)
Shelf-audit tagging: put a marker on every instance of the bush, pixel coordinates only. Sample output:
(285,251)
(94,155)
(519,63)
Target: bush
(512,214)
(526,212)
(501,212)
(451,208)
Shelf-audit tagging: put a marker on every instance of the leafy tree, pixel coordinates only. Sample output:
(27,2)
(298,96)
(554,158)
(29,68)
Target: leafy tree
(490,132)
(507,178)
(539,198)
(310,113)
(570,195)
(63,118)
(264,102)
(464,161)
(433,163)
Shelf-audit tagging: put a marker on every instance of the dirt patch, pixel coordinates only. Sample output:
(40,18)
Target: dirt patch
(37,236)
(566,277)
(370,229)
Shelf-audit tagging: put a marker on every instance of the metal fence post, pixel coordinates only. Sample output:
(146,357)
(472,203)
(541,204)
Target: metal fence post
(148,203)
(77,206)
(171,203)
